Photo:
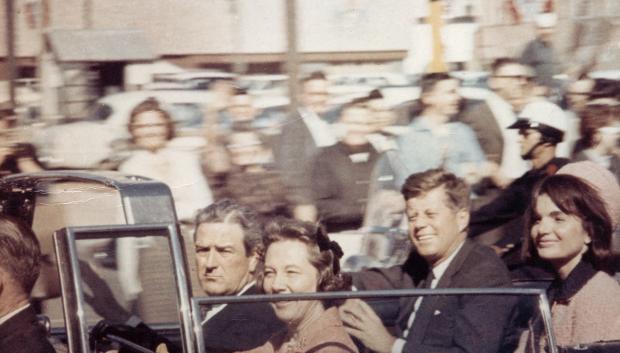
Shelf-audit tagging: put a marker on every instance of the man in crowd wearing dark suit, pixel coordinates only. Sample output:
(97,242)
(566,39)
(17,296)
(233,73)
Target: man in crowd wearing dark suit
(511,88)
(303,135)
(437,208)
(20,258)
(228,238)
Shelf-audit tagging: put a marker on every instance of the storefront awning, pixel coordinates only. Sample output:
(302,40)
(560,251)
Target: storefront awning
(99,45)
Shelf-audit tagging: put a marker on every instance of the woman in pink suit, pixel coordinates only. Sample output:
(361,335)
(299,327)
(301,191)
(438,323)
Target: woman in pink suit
(571,222)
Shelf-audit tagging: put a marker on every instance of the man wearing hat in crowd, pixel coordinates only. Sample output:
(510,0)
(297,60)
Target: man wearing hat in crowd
(541,126)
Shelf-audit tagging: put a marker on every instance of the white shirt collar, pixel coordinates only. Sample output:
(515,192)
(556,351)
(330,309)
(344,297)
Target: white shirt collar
(321,131)
(440,269)
(219,307)
(246,287)
(13,313)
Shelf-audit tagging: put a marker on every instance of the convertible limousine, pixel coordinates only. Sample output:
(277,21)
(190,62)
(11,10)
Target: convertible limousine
(119,272)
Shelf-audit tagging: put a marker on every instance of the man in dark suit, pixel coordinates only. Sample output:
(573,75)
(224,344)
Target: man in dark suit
(228,238)
(341,173)
(20,258)
(437,208)
(303,135)
(511,88)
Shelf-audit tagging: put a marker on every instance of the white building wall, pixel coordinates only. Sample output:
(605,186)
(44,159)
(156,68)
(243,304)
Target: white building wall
(363,25)
(186,27)
(194,27)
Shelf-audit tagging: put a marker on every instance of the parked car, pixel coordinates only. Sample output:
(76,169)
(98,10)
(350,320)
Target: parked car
(264,85)
(347,86)
(197,79)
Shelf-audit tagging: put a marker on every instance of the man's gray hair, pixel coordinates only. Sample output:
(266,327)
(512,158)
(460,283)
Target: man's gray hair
(20,255)
(230,212)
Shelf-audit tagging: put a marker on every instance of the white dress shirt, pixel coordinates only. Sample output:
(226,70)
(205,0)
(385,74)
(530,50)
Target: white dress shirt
(321,131)
(217,308)
(438,272)
(8,316)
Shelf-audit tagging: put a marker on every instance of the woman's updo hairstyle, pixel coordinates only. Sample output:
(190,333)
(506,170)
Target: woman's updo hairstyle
(323,254)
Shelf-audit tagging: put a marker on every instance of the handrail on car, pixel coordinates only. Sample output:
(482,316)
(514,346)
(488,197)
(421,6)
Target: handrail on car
(543,302)
(73,300)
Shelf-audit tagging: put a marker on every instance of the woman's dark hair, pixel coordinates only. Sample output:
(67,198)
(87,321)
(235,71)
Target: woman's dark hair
(594,117)
(323,254)
(576,197)
(151,105)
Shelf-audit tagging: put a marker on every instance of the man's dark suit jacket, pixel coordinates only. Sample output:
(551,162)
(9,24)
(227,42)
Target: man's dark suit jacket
(23,334)
(241,327)
(294,152)
(450,324)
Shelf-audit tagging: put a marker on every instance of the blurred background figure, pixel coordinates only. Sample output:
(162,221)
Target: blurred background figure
(576,96)
(223,89)
(600,130)
(433,140)
(511,87)
(341,173)
(240,113)
(300,258)
(602,99)
(157,154)
(252,179)
(302,136)
(17,154)
(540,54)
(381,114)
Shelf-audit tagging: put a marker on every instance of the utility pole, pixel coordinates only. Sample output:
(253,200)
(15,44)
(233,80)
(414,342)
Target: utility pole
(292,56)
(87,14)
(10,52)
(239,66)
(437,63)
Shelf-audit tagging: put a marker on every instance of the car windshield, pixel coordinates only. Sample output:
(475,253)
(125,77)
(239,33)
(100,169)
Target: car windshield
(500,330)
(186,115)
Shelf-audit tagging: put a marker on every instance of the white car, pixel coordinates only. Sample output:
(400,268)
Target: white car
(264,85)
(196,79)
(85,144)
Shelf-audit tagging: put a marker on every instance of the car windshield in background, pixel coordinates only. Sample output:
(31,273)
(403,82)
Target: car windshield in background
(186,115)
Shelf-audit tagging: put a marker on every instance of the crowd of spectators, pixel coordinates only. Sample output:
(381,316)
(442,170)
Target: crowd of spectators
(497,171)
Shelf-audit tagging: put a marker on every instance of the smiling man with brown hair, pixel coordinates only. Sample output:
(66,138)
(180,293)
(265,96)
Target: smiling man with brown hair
(437,208)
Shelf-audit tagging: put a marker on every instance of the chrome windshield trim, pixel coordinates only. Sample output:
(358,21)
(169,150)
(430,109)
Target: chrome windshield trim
(73,297)
(543,302)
